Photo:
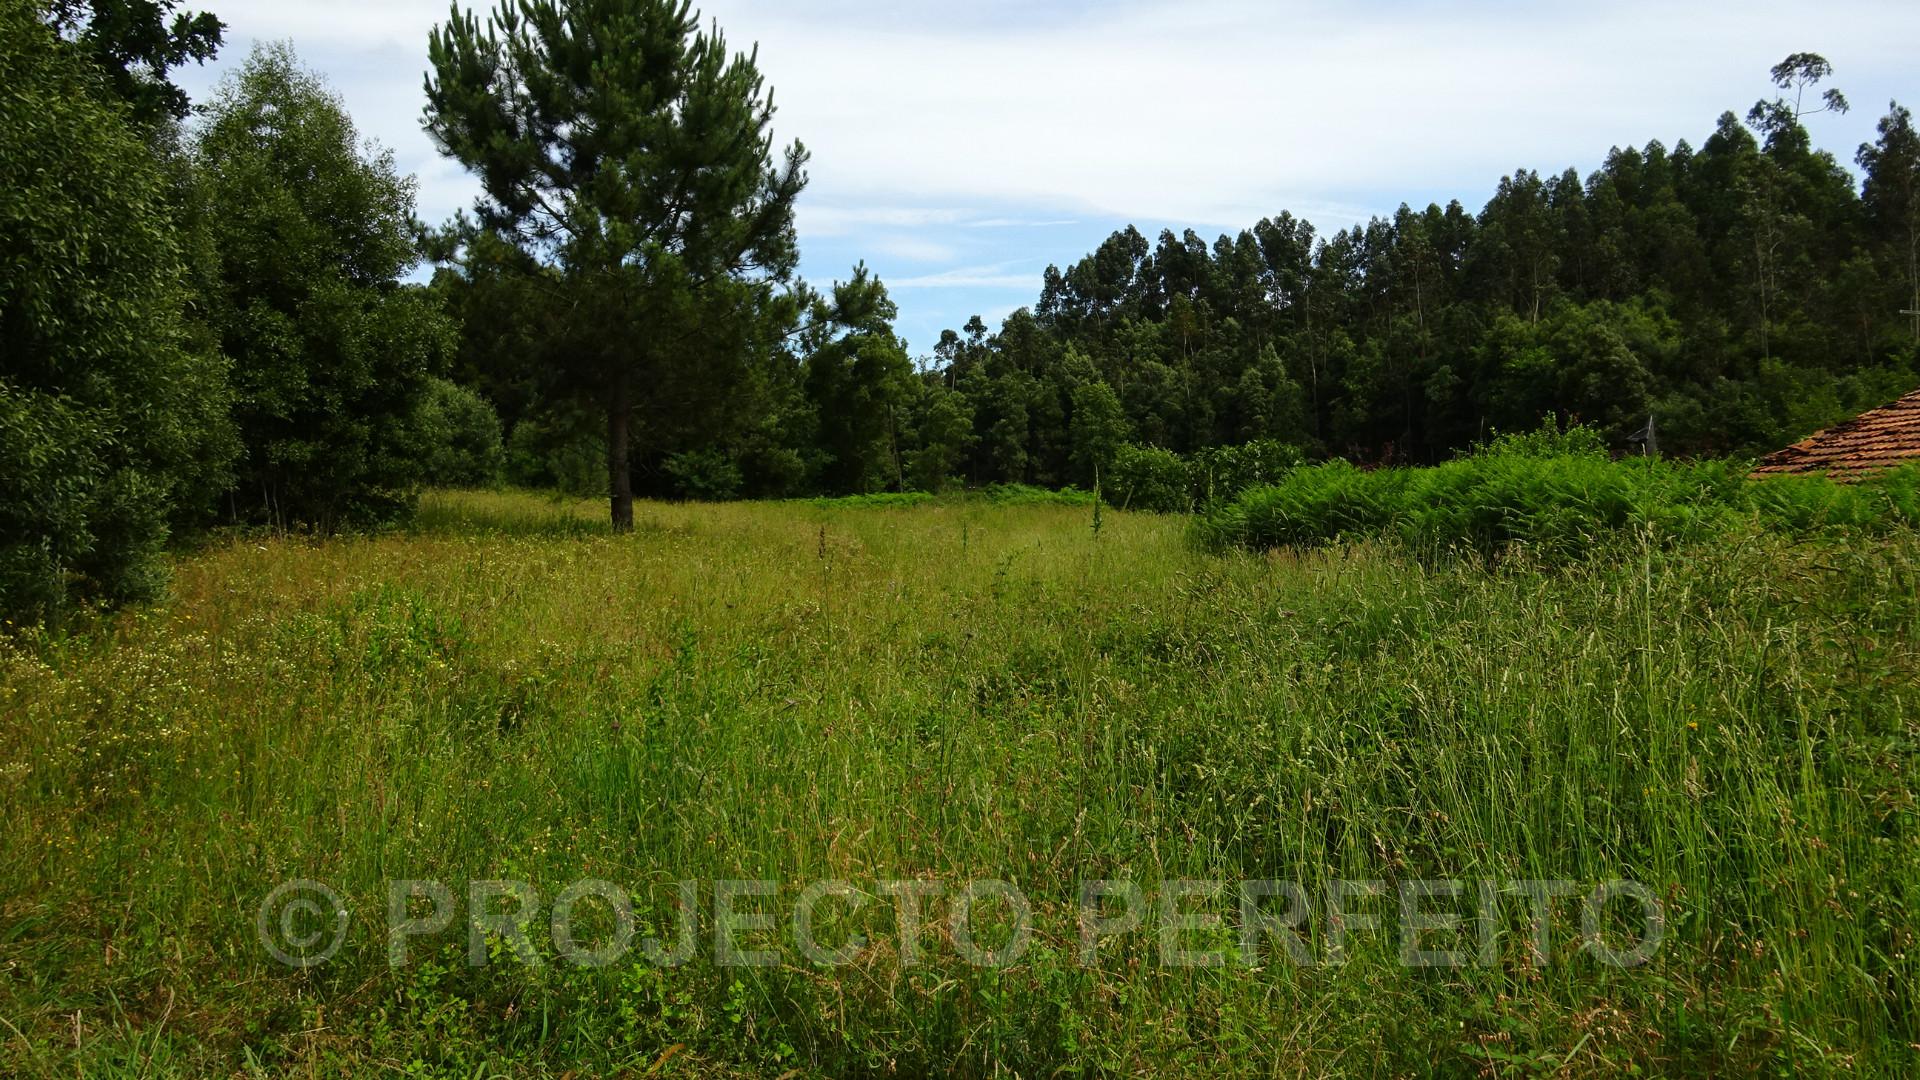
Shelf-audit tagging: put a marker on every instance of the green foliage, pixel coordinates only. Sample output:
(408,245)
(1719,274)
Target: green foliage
(1099,430)
(111,419)
(1223,472)
(462,437)
(858,383)
(1160,481)
(135,45)
(1741,294)
(943,433)
(562,451)
(874,500)
(1555,495)
(331,353)
(1028,495)
(1149,478)
(705,475)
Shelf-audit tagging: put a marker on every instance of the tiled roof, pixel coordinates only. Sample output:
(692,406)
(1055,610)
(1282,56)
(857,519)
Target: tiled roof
(1877,439)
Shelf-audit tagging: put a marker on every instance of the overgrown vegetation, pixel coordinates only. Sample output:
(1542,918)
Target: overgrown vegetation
(1555,495)
(310,235)
(953,691)
(1149,478)
(953,645)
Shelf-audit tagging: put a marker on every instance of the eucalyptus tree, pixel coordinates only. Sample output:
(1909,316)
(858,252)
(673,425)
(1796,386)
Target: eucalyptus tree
(624,148)
(1892,192)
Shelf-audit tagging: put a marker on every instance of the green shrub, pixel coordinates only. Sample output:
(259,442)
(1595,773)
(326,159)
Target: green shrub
(1028,495)
(309,236)
(1149,478)
(462,437)
(1222,472)
(1555,494)
(874,500)
(564,451)
(704,475)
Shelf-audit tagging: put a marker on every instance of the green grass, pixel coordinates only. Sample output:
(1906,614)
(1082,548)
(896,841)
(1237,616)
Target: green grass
(956,690)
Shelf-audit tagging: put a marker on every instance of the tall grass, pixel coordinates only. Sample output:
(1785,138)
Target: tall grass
(952,691)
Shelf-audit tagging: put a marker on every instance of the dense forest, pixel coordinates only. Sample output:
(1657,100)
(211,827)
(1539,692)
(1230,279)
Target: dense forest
(1740,294)
(227,313)
(1734,297)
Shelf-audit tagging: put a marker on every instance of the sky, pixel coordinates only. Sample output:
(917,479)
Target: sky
(960,148)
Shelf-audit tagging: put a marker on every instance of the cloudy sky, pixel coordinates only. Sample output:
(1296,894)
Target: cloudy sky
(960,148)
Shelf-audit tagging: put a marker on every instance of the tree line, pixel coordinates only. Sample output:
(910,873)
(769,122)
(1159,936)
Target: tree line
(1736,296)
(1715,301)
(202,313)
(213,314)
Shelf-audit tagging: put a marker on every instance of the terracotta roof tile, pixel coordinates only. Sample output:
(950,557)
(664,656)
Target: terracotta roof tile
(1877,439)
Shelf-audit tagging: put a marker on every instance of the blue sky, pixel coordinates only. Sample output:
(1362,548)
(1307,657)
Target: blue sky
(960,148)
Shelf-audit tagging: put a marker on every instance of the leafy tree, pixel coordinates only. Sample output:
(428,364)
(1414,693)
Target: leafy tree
(1796,75)
(1152,479)
(1742,290)
(1099,430)
(1519,245)
(461,435)
(135,43)
(625,149)
(110,421)
(559,447)
(706,475)
(331,353)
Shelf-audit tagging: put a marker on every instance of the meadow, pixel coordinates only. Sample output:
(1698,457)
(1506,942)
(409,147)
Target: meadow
(955,690)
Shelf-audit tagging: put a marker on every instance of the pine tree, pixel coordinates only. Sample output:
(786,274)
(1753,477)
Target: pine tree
(622,146)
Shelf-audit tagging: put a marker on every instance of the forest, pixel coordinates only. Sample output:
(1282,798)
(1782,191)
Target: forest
(227,312)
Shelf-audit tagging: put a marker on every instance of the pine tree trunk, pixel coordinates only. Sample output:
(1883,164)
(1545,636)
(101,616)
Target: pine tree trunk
(619,466)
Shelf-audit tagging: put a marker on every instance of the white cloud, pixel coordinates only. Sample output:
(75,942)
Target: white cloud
(1207,111)
(1018,223)
(1219,111)
(1004,119)
(912,248)
(827,220)
(997,276)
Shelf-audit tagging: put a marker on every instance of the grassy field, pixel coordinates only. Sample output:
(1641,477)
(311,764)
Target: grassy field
(950,692)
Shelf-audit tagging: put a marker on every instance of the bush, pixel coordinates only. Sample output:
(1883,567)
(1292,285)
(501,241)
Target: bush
(1223,472)
(309,233)
(705,475)
(1556,494)
(874,500)
(1149,478)
(564,451)
(461,433)
(1028,495)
